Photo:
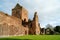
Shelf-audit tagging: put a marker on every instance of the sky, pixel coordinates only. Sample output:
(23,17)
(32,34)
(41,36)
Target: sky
(48,10)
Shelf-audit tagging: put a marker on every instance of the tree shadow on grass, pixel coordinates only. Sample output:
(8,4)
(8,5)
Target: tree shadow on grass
(13,39)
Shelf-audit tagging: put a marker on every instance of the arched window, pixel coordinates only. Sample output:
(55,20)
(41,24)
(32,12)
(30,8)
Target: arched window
(24,20)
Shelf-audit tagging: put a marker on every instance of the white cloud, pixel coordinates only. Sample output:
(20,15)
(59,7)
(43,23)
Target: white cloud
(48,10)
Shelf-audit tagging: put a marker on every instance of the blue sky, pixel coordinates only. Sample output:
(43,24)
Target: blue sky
(48,10)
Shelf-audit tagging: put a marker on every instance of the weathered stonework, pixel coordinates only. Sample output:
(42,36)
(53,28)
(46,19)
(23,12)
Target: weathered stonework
(20,12)
(18,23)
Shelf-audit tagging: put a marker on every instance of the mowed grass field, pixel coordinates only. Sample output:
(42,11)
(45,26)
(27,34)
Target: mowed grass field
(33,37)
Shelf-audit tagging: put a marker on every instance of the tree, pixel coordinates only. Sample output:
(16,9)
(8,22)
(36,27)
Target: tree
(49,29)
(57,29)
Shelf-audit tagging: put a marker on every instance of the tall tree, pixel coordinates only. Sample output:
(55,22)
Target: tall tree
(57,29)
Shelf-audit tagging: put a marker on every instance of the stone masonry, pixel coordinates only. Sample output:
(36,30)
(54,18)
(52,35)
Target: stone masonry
(18,23)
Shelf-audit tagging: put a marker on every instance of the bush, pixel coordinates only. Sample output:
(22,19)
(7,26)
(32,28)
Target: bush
(57,33)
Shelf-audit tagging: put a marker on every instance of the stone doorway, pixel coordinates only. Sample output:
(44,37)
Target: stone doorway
(25,32)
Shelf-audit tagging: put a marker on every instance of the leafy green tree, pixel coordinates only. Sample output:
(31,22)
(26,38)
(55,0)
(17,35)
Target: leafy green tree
(57,29)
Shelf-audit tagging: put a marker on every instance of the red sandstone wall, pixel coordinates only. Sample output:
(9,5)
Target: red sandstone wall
(10,25)
(24,14)
(17,13)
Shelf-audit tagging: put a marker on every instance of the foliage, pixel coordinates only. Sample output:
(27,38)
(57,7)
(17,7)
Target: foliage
(57,29)
(56,33)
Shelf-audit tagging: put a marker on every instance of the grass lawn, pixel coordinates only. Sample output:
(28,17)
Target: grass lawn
(33,37)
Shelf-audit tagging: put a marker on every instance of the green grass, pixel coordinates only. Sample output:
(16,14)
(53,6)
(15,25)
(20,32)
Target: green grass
(33,37)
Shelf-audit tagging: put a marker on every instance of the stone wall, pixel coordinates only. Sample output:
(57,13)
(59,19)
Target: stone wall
(20,12)
(18,23)
(10,25)
(24,14)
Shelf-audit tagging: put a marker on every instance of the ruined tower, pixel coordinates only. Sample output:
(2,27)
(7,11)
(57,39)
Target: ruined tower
(20,12)
(36,24)
(18,23)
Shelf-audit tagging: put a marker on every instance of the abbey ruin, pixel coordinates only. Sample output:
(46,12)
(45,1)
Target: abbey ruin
(19,23)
